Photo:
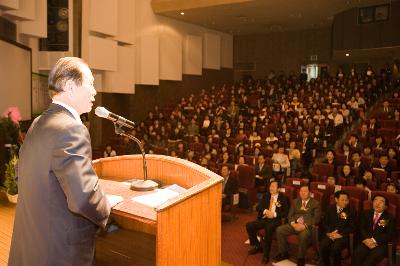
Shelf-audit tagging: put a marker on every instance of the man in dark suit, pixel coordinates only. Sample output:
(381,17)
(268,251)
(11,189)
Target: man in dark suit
(61,203)
(376,230)
(337,224)
(229,186)
(272,208)
(357,163)
(307,150)
(304,213)
(263,172)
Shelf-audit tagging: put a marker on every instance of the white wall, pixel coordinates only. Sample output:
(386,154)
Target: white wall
(114,31)
(164,48)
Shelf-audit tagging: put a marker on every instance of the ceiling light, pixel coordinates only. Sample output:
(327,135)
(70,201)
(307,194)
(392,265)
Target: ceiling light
(347,54)
(182,13)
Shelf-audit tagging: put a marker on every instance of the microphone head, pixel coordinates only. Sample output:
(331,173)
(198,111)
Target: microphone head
(101,112)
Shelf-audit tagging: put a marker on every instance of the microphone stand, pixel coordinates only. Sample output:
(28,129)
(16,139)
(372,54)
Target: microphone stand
(138,184)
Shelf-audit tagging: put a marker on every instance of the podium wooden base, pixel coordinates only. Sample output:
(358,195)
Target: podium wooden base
(126,247)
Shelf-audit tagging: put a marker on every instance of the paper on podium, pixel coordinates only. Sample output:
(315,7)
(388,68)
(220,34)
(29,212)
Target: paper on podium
(157,198)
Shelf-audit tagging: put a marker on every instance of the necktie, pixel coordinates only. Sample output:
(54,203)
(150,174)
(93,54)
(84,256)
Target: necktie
(376,218)
(271,203)
(303,205)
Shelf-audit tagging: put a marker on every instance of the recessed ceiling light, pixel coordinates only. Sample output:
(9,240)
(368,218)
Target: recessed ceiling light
(347,54)
(182,13)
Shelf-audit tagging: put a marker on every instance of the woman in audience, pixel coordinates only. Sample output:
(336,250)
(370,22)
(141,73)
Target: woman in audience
(345,176)
(109,151)
(280,162)
(294,156)
(225,158)
(392,154)
(391,188)
(254,137)
(379,143)
(271,138)
(330,159)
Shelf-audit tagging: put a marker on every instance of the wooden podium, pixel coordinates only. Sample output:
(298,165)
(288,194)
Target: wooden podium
(185,230)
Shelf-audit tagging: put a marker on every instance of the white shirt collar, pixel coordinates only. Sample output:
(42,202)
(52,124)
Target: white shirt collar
(71,109)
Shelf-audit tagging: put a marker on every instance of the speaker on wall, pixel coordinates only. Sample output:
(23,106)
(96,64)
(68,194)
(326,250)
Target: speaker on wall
(57,27)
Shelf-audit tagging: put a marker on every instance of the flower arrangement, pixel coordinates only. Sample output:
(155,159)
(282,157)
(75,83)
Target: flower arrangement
(9,125)
(10,135)
(11,181)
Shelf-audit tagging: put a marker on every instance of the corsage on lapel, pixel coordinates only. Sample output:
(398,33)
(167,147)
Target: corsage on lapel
(383,222)
(343,215)
(278,204)
(304,208)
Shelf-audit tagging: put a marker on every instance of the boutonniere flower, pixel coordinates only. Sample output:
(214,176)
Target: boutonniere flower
(278,204)
(343,215)
(383,222)
(302,208)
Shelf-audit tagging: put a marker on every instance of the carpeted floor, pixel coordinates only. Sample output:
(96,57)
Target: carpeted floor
(234,251)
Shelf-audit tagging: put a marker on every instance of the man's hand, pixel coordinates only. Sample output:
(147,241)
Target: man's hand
(369,243)
(114,200)
(335,235)
(268,214)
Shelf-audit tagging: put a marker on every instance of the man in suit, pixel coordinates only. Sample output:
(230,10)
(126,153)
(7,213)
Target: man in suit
(337,224)
(304,213)
(307,150)
(357,163)
(61,203)
(263,172)
(229,186)
(272,208)
(376,230)
(354,144)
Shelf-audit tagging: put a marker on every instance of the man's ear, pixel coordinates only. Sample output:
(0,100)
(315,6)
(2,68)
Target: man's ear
(70,87)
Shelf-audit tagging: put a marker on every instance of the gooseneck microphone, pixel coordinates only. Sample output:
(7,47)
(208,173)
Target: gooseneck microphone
(119,120)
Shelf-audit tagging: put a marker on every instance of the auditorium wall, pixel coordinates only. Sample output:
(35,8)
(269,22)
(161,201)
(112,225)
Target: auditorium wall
(348,34)
(281,51)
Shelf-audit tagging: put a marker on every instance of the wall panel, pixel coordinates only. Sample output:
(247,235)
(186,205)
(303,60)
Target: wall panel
(122,80)
(170,57)
(226,51)
(38,26)
(13,4)
(102,53)
(126,21)
(148,61)
(103,16)
(211,51)
(193,55)
(26,10)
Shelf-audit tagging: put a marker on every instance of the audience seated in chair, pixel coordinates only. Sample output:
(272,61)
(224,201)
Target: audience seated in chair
(263,172)
(229,186)
(109,151)
(337,224)
(304,213)
(272,208)
(376,230)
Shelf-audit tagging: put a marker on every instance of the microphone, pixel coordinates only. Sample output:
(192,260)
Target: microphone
(104,113)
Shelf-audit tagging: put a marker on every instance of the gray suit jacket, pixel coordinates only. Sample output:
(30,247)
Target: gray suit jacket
(311,215)
(60,203)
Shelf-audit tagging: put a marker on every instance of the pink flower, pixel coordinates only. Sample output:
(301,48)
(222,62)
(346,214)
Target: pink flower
(13,113)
